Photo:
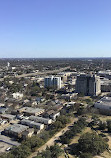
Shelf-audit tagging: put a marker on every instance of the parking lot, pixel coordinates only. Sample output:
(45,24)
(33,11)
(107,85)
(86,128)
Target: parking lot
(4,146)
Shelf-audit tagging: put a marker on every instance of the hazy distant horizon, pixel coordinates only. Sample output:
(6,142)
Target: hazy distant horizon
(61,58)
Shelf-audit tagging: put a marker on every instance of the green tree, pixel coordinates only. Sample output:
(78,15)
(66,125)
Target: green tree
(92,143)
(109,125)
(102,125)
(46,154)
(55,151)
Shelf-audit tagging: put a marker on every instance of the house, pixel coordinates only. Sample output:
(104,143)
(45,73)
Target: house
(52,114)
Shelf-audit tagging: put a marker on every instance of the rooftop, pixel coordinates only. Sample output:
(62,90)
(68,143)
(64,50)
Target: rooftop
(38,118)
(31,122)
(106,101)
(17,128)
(108,72)
(31,110)
(8,116)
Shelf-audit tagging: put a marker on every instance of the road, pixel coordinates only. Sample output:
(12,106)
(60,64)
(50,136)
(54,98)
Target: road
(43,73)
(52,140)
(38,73)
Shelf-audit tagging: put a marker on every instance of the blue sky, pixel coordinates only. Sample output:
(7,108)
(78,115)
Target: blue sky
(55,28)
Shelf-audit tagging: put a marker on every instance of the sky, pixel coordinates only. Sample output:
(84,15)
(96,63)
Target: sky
(55,28)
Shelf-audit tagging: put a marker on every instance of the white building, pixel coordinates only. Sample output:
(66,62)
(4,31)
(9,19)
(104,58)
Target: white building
(106,74)
(17,95)
(41,120)
(104,105)
(52,82)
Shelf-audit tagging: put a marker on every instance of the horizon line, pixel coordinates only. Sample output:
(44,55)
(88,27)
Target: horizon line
(49,57)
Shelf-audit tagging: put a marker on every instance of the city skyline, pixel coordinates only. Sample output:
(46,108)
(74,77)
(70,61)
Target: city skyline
(55,29)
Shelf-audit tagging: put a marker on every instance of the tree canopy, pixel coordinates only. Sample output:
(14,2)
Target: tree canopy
(92,143)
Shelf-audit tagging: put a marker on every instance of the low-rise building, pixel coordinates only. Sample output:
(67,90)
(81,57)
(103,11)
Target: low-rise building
(31,111)
(28,133)
(16,130)
(2,104)
(104,105)
(52,114)
(106,74)
(3,110)
(41,120)
(8,117)
(17,95)
(69,96)
(105,85)
(32,124)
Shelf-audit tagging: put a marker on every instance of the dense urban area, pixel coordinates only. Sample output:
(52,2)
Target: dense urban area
(55,108)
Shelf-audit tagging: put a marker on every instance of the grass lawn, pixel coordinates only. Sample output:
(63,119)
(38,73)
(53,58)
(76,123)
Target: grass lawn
(104,155)
(104,118)
(63,156)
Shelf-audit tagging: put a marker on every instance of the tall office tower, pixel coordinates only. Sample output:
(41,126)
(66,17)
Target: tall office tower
(52,82)
(88,85)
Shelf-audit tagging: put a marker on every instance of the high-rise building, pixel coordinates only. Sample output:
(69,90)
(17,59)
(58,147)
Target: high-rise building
(88,85)
(8,64)
(52,82)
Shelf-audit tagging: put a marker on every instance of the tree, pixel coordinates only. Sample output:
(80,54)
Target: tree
(22,151)
(46,154)
(92,143)
(80,111)
(45,135)
(52,152)
(109,125)
(55,151)
(63,119)
(102,125)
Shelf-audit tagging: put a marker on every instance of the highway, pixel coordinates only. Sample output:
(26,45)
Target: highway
(43,73)
(38,73)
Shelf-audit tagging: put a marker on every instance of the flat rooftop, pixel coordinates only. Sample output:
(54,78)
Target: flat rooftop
(104,101)
(105,82)
(31,122)
(31,110)
(17,128)
(108,72)
(39,118)
(9,116)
